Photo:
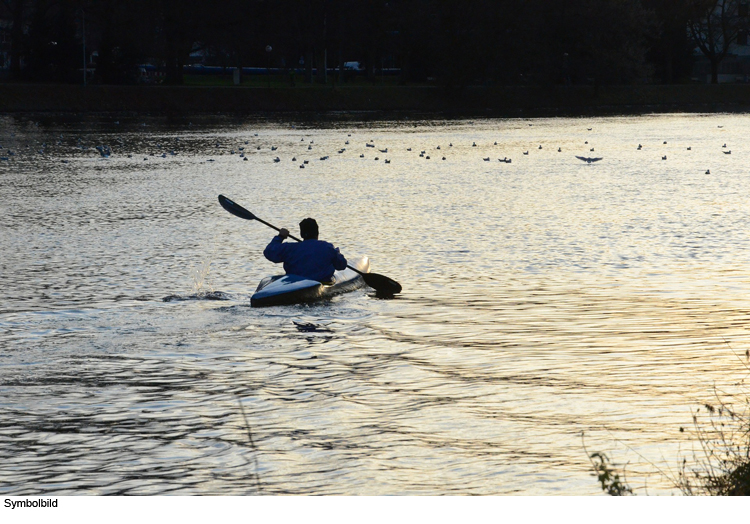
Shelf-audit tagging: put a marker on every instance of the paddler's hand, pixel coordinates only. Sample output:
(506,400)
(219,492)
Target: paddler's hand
(283,233)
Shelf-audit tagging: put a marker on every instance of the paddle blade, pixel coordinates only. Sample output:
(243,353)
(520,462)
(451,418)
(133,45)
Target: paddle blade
(236,209)
(382,284)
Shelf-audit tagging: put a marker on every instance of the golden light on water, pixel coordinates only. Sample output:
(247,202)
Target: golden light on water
(542,298)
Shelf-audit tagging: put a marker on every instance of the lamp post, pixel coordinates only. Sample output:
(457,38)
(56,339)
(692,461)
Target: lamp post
(268,65)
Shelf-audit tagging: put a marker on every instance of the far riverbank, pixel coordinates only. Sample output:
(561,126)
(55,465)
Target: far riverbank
(516,101)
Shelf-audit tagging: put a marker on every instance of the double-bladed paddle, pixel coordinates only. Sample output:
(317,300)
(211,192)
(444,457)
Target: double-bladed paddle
(380,283)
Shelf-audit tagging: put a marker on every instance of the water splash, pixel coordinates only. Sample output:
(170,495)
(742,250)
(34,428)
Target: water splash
(201,286)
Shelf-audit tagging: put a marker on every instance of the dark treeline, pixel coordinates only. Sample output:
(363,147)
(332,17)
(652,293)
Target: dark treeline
(454,43)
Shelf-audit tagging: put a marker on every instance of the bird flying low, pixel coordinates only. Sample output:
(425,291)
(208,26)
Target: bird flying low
(588,159)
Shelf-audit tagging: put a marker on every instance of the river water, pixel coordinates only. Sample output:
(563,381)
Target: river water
(548,303)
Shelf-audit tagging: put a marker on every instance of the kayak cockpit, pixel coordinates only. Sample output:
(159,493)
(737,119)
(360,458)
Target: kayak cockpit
(280,290)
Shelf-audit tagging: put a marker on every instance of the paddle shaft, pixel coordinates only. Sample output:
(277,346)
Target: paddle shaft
(276,228)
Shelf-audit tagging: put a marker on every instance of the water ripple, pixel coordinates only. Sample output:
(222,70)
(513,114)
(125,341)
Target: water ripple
(542,299)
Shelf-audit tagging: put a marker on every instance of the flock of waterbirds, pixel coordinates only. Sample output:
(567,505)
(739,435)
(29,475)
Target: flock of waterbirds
(244,149)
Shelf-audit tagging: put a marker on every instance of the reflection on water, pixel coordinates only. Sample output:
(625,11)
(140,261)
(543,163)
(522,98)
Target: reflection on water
(543,298)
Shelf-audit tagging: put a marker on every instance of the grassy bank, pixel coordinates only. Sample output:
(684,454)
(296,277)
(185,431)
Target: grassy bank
(472,101)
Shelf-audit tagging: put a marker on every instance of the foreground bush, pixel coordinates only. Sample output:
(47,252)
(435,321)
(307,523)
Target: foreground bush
(721,464)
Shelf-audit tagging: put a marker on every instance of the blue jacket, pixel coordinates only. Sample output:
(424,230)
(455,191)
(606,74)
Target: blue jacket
(313,259)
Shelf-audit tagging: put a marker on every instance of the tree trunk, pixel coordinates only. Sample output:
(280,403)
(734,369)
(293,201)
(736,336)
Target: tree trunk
(668,63)
(321,69)
(341,66)
(174,65)
(16,36)
(309,66)
(180,62)
(714,71)
(668,71)
(404,76)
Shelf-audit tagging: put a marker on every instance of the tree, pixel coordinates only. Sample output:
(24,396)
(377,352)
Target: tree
(596,41)
(177,26)
(52,47)
(116,29)
(670,47)
(714,25)
(19,12)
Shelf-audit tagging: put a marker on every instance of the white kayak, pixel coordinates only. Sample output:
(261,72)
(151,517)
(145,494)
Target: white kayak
(292,289)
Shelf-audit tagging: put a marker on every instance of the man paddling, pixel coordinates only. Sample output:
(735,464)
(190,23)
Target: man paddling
(311,258)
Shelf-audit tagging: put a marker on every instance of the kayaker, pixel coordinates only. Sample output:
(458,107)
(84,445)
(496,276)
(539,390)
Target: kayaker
(312,258)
